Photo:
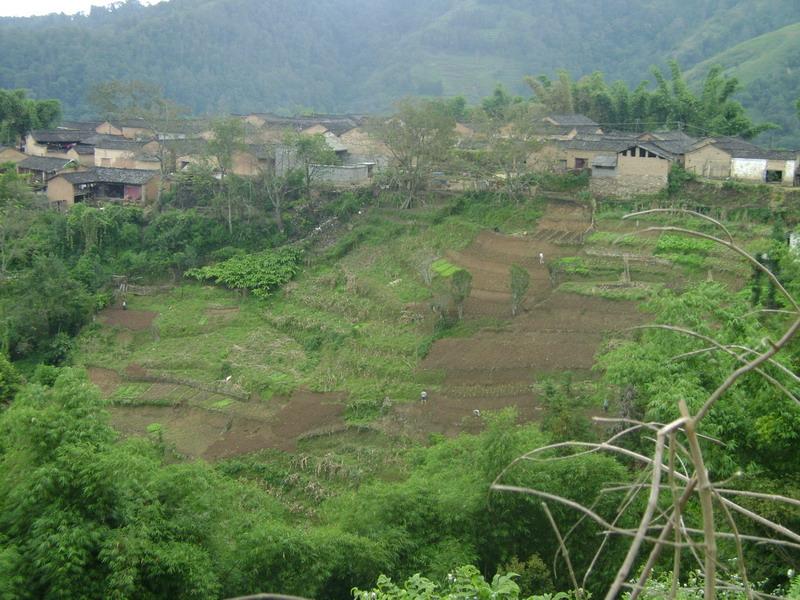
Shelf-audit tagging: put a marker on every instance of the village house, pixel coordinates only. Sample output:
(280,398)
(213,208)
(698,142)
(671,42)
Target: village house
(103,184)
(56,142)
(363,148)
(251,161)
(723,157)
(640,168)
(41,169)
(126,154)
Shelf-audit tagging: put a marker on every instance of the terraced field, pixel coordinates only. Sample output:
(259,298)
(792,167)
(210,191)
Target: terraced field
(340,346)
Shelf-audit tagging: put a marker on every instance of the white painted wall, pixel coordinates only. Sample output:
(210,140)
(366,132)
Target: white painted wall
(754,169)
(789,172)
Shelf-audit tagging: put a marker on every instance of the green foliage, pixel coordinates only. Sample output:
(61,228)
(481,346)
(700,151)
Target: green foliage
(520,281)
(571,265)
(444,267)
(10,380)
(465,583)
(260,273)
(683,250)
(670,104)
(678,178)
(19,114)
(419,136)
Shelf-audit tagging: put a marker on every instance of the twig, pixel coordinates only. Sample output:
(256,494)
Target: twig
(564,551)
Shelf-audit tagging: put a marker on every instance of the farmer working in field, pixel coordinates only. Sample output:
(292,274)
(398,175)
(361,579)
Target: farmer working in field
(541,258)
(423,397)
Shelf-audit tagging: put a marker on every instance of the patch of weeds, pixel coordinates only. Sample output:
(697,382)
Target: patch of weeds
(571,265)
(443,267)
(155,428)
(610,238)
(220,404)
(633,292)
(128,393)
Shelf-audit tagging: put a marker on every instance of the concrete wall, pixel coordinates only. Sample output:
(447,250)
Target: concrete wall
(749,169)
(709,161)
(341,175)
(788,167)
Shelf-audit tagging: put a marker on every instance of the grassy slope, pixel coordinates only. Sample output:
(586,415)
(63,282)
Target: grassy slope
(768,67)
(357,323)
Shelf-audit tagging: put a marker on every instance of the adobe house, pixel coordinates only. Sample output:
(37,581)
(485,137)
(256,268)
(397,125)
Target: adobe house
(41,169)
(77,145)
(726,157)
(125,154)
(640,168)
(10,155)
(364,148)
(577,154)
(675,143)
(54,142)
(103,184)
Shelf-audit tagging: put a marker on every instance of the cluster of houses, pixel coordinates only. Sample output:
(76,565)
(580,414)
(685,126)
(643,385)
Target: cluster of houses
(130,160)
(625,164)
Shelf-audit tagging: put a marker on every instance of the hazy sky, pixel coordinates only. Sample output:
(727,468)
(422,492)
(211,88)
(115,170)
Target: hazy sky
(25,8)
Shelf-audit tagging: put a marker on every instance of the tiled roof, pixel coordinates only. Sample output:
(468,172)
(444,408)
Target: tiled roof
(46,164)
(739,148)
(108,175)
(61,136)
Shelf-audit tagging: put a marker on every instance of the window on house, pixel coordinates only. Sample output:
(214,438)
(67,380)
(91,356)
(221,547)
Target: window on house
(774,176)
(580,163)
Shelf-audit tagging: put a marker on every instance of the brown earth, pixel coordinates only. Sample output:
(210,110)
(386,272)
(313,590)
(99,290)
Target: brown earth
(217,434)
(492,369)
(554,332)
(106,379)
(135,320)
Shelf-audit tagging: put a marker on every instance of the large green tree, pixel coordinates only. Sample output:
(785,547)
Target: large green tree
(420,137)
(19,114)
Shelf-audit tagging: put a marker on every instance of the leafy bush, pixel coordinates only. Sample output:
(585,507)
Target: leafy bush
(678,177)
(571,265)
(260,273)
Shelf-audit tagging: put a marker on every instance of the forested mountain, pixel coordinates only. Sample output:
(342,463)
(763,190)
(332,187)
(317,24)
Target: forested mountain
(354,55)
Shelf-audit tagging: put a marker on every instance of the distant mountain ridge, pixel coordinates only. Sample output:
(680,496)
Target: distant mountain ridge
(359,55)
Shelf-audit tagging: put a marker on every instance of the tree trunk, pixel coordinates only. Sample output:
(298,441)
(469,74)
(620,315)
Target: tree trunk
(278,216)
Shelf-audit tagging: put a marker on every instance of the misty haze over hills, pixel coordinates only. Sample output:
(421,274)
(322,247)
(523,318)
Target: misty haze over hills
(357,56)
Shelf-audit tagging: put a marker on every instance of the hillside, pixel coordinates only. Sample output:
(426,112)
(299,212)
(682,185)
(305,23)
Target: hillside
(767,67)
(246,55)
